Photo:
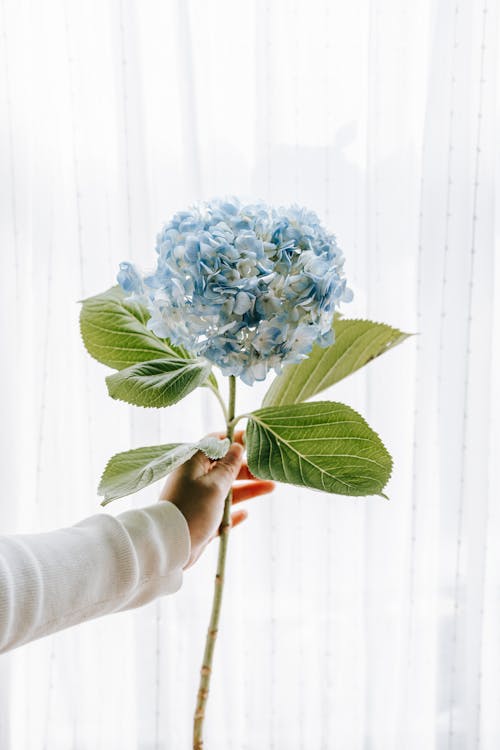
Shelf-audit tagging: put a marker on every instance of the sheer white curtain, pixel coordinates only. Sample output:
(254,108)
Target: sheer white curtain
(350,624)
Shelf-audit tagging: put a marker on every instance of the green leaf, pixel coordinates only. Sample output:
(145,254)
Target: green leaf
(114,331)
(356,343)
(212,382)
(161,382)
(133,470)
(324,445)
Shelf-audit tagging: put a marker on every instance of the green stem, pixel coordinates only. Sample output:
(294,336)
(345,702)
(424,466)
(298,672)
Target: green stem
(206,667)
(233,422)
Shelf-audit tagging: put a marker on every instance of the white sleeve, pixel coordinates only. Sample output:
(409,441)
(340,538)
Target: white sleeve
(102,564)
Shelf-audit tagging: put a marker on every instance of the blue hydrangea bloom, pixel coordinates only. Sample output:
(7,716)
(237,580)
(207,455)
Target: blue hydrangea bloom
(249,287)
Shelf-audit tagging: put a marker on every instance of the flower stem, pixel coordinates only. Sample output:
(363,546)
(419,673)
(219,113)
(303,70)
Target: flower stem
(206,668)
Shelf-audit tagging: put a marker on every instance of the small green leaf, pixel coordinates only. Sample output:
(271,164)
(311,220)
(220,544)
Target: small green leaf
(323,445)
(356,343)
(114,331)
(212,380)
(133,470)
(161,382)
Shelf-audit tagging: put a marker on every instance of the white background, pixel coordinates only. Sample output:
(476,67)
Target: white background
(348,624)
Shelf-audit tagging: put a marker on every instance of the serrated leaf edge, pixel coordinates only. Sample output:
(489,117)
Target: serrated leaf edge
(391,460)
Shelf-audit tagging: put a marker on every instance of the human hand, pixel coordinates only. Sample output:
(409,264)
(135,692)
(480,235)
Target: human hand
(199,488)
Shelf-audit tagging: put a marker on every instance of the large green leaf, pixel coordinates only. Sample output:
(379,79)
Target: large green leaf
(114,331)
(324,445)
(133,470)
(356,343)
(161,382)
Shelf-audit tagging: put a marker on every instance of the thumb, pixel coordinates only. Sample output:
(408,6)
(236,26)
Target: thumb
(226,470)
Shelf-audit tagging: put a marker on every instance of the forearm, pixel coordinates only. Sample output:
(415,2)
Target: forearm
(102,564)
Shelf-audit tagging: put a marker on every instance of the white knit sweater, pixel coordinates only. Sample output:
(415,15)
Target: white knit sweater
(102,564)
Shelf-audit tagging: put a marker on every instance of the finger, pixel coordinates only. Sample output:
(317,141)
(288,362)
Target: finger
(200,463)
(196,466)
(252,489)
(238,437)
(236,518)
(219,435)
(225,471)
(245,472)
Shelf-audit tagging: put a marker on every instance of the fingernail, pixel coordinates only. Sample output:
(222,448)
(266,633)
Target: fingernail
(235,451)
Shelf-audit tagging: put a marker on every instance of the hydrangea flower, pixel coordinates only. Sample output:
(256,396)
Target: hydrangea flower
(249,287)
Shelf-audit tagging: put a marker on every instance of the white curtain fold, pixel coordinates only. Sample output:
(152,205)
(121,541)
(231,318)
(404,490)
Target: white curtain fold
(349,624)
